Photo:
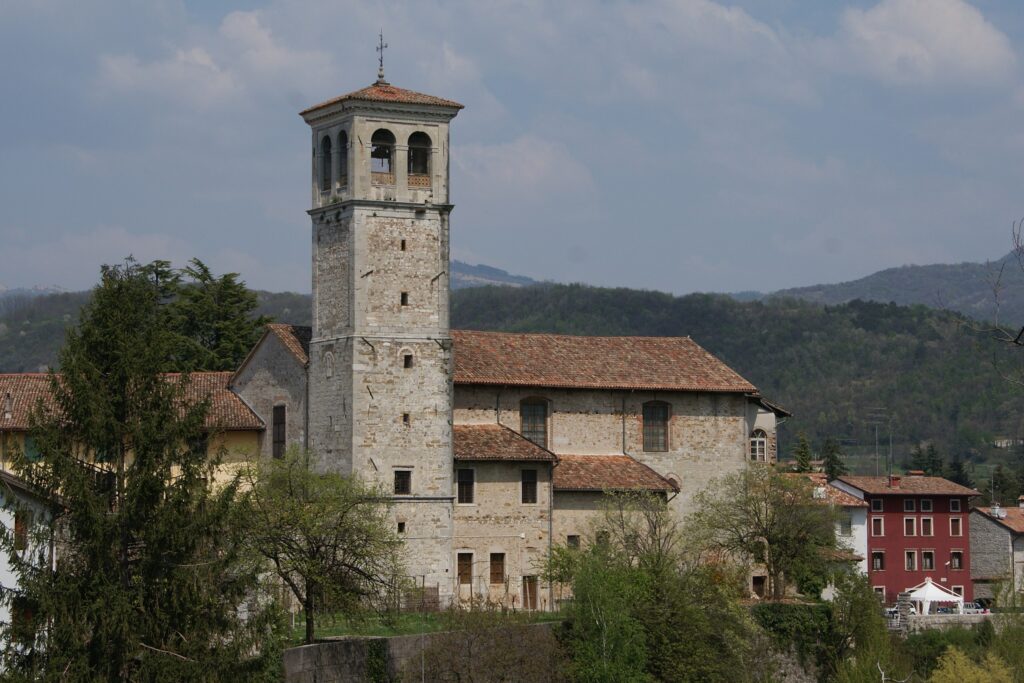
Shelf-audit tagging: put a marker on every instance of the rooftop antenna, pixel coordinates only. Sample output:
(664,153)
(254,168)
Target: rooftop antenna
(381,45)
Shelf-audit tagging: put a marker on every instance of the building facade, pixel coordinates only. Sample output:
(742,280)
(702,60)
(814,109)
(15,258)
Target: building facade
(997,551)
(918,528)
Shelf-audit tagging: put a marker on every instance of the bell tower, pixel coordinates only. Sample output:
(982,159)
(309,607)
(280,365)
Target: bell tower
(380,387)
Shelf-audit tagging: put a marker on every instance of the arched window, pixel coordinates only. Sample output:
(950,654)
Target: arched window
(533,420)
(655,426)
(759,446)
(382,155)
(342,159)
(419,160)
(325,164)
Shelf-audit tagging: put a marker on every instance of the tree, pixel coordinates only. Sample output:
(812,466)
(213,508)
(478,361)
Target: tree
(956,472)
(770,518)
(933,461)
(149,578)
(957,667)
(327,536)
(802,453)
(832,455)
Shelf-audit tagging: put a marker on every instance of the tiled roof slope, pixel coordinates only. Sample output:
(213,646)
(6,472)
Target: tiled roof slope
(833,495)
(385,92)
(908,485)
(1013,520)
(571,362)
(295,338)
(227,410)
(607,473)
(495,442)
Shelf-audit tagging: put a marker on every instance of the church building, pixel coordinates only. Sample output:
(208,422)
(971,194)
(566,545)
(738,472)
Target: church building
(495,446)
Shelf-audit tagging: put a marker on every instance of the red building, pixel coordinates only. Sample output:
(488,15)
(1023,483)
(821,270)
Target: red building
(917,527)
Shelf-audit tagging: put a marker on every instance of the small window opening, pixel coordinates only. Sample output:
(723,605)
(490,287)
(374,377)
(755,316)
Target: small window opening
(655,416)
(403,245)
(278,431)
(529,496)
(325,165)
(342,159)
(407,361)
(403,482)
(572,541)
(419,160)
(382,148)
(401,527)
(533,415)
(405,419)
(405,298)
(497,568)
(465,478)
(465,568)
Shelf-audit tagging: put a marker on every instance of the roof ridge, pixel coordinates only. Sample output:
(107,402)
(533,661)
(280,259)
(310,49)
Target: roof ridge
(580,336)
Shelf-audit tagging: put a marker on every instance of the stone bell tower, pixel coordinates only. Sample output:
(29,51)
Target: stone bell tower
(380,387)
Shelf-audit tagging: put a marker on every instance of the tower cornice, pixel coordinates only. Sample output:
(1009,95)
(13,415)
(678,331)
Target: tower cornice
(346,204)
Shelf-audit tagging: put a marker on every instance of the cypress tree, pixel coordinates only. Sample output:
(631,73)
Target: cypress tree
(802,453)
(832,455)
(149,576)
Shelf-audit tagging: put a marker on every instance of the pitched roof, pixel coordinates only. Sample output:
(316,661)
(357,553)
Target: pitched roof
(227,410)
(833,495)
(381,91)
(607,473)
(495,442)
(571,362)
(294,337)
(912,485)
(1013,519)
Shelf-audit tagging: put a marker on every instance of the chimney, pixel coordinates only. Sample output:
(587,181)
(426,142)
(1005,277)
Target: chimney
(894,481)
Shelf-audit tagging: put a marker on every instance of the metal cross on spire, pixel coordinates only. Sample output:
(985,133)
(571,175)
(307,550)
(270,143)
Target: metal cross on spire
(381,45)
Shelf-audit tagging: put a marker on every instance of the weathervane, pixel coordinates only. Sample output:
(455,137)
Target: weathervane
(380,60)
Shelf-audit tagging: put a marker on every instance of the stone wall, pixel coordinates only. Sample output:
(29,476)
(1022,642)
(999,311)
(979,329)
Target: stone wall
(273,376)
(990,555)
(499,522)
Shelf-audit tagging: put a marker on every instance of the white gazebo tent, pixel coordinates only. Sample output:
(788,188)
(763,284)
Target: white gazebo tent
(926,593)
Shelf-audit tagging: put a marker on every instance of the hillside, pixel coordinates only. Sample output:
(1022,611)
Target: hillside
(962,287)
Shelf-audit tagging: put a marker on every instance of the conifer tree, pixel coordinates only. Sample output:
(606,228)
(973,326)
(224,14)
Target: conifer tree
(802,453)
(149,577)
(956,472)
(832,455)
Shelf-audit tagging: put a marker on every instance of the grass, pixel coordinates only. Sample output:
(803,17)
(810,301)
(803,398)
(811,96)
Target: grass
(335,625)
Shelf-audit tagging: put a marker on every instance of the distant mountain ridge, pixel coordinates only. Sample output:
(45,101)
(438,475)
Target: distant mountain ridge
(966,288)
(466,275)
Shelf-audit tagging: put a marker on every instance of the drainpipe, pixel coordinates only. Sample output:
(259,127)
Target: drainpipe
(551,529)
(305,428)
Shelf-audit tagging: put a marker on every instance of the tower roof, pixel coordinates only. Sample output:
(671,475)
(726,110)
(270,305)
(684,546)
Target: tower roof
(382,91)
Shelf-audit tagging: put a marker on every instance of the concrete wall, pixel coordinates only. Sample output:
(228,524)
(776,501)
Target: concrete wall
(499,522)
(857,541)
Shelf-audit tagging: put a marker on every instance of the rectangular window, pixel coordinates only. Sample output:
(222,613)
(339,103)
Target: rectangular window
(279,431)
(407,361)
(403,482)
(877,561)
(928,560)
(956,526)
(876,504)
(405,419)
(926,505)
(959,590)
(22,525)
(926,527)
(911,563)
(908,504)
(879,591)
(956,559)
(655,427)
(405,298)
(465,569)
(403,245)
(401,527)
(572,541)
(954,505)
(846,524)
(529,486)
(877,526)
(497,568)
(909,526)
(465,482)
(533,418)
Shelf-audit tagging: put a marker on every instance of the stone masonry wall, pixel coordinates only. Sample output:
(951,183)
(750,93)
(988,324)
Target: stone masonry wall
(272,377)
(990,554)
(499,522)
(708,433)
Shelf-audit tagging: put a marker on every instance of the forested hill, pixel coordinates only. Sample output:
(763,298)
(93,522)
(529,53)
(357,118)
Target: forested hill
(963,287)
(828,364)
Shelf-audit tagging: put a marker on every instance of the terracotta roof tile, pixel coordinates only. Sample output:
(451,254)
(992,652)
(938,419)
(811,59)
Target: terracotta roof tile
(495,442)
(1014,519)
(833,495)
(912,485)
(385,92)
(294,337)
(227,410)
(571,362)
(607,473)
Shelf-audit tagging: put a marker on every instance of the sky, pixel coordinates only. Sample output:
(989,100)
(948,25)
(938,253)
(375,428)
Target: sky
(678,145)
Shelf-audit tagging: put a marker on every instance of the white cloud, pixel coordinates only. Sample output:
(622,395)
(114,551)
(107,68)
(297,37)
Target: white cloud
(190,75)
(927,42)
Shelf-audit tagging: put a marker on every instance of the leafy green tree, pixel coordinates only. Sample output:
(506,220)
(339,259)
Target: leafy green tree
(149,576)
(802,453)
(772,519)
(957,667)
(832,455)
(214,318)
(327,536)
